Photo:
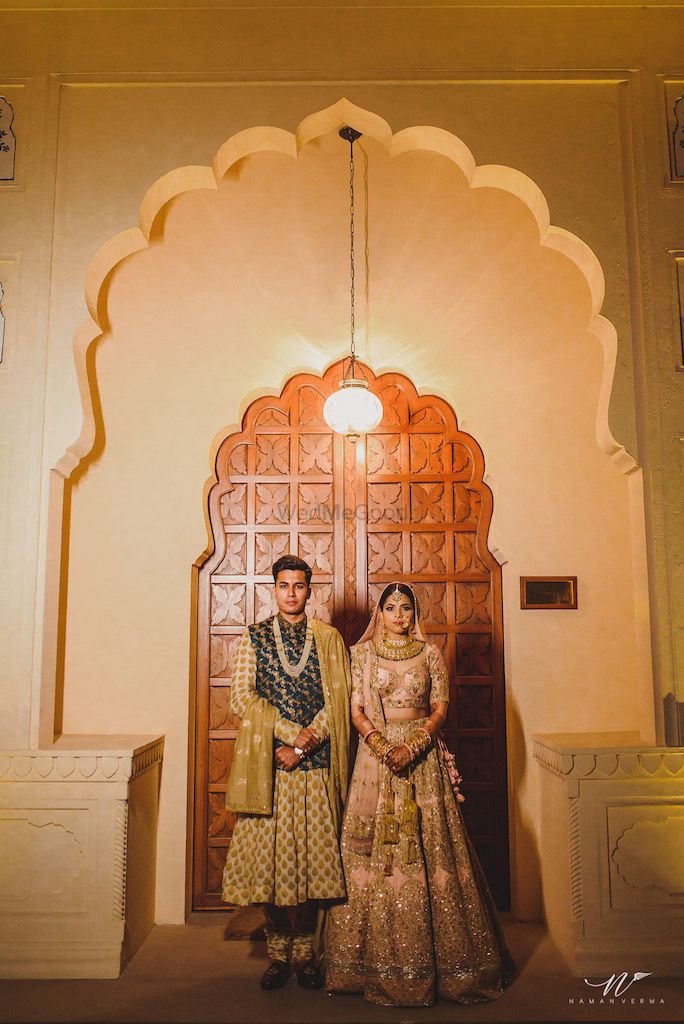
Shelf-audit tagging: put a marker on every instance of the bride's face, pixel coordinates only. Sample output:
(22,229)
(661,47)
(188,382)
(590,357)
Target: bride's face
(397,615)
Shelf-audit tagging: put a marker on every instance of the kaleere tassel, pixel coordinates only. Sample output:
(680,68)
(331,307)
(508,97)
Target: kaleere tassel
(409,823)
(390,825)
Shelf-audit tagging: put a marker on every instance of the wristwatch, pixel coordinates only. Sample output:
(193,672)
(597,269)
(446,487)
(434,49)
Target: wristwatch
(300,752)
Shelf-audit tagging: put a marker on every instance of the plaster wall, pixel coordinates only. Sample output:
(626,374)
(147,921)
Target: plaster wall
(245,285)
(509,349)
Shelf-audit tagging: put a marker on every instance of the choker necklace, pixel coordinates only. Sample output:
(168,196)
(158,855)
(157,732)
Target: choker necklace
(400,649)
(287,666)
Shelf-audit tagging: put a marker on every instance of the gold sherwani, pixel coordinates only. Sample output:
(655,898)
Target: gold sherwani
(285,848)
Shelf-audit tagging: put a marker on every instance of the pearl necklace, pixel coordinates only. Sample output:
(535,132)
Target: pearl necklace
(287,666)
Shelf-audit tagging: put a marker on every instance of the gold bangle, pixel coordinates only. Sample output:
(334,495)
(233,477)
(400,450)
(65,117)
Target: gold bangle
(418,742)
(378,744)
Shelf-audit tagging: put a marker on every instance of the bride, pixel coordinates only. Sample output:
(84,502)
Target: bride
(419,920)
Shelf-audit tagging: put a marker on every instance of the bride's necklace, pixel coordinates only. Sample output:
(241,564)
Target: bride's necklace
(401,649)
(287,666)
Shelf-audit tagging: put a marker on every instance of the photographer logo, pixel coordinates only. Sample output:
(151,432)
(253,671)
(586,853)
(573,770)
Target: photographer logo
(614,992)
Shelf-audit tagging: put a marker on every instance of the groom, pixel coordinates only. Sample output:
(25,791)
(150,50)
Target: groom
(291,688)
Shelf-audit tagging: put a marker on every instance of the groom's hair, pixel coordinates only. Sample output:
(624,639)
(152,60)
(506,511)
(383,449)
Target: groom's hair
(294,563)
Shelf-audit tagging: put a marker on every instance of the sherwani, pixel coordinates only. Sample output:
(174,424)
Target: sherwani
(289,856)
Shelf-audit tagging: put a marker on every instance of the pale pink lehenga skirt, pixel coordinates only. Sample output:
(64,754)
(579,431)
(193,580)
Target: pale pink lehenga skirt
(428,928)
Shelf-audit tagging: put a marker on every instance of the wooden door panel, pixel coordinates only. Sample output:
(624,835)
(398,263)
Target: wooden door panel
(407,502)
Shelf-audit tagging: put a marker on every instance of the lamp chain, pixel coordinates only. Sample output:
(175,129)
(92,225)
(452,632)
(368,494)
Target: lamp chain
(351,250)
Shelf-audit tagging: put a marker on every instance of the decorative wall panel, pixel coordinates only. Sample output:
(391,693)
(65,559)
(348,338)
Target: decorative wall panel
(7,140)
(673,97)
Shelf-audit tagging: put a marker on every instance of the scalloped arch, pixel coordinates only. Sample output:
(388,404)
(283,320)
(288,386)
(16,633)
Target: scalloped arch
(277,140)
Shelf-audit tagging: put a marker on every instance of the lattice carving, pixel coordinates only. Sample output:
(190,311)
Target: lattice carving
(315,454)
(235,561)
(216,859)
(221,820)
(467,558)
(408,502)
(384,503)
(311,402)
(384,553)
(428,417)
(228,604)
(264,601)
(384,453)
(462,463)
(273,454)
(432,602)
(317,551)
(220,716)
(472,604)
(428,552)
(466,504)
(320,604)
(272,417)
(427,503)
(272,504)
(237,462)
(427,453)
(234,505)
(269,547)
(393,404)
(221,655)
(315,504)
(221,756)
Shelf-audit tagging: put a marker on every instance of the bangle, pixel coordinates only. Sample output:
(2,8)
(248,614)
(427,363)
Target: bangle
(418,742)
(378,744)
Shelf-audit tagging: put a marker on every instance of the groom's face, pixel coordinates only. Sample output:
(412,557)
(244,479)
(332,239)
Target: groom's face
(292,592)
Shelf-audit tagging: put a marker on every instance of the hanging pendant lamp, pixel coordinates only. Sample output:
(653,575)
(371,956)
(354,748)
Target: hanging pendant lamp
(353,409)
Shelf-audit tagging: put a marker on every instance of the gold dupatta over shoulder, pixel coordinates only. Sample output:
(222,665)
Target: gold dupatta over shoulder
(250,783)
(336,678)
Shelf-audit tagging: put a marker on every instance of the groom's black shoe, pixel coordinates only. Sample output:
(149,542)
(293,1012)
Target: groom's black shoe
(309,975)
(275,975)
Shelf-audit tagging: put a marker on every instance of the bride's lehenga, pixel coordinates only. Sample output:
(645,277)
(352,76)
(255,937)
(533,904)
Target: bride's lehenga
(419,920)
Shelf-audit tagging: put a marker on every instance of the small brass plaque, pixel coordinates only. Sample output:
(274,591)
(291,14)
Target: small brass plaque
(548,591)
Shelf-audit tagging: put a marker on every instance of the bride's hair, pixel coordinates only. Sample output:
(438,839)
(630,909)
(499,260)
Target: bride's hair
(391,588)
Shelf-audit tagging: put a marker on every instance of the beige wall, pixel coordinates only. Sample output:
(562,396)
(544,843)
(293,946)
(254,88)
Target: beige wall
(462,298)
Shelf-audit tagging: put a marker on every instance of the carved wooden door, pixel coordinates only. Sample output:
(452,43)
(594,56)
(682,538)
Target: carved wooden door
(406,503)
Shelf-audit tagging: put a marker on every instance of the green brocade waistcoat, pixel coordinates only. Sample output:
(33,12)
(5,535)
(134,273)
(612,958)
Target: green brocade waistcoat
(297,698)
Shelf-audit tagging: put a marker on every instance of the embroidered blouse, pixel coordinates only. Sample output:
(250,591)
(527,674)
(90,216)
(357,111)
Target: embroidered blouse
(414,683)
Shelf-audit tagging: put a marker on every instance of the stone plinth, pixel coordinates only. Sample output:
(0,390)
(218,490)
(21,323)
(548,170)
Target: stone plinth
(78,828)
(612,844)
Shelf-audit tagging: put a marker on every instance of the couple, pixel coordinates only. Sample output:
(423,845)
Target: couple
(399,903)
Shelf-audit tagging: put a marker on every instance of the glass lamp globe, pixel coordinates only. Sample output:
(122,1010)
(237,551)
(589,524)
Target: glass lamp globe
(353,410)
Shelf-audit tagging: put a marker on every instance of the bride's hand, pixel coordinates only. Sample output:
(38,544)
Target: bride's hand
(397,758)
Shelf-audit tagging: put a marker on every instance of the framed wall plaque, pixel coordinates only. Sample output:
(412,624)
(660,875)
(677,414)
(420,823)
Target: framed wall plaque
(548,592)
